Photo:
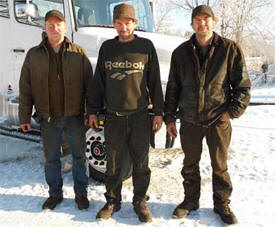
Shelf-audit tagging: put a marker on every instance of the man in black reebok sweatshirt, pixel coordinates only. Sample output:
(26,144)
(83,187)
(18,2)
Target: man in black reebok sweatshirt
(127,76)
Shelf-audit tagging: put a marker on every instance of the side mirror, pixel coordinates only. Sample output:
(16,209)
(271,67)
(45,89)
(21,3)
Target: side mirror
(25,10)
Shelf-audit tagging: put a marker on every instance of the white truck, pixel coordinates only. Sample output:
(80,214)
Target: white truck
(89,23)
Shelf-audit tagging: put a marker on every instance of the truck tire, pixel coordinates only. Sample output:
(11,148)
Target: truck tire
(97,158)
(96,154)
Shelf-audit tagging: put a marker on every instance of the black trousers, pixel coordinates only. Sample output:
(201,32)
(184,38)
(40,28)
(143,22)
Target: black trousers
(218,138)
(127,136)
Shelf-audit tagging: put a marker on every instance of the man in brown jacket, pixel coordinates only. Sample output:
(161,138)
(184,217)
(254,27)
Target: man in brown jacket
(54,80)
(209,85)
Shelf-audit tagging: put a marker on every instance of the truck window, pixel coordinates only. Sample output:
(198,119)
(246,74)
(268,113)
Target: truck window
(100,13)
(4,8)
(34,11)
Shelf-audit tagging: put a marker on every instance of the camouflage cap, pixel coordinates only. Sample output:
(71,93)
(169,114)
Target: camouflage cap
(124,11)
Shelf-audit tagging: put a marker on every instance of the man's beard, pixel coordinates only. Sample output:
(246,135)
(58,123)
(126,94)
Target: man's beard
(204,34)
(126,37)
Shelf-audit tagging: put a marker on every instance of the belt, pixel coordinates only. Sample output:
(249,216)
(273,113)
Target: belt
(123,114)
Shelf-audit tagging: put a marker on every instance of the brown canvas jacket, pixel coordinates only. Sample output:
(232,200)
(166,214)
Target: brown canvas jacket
(202,93)
(33,84)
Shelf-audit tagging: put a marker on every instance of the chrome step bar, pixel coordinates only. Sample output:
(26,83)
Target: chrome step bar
(16,132)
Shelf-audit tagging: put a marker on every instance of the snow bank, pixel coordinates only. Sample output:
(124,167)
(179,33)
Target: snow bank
(251,166)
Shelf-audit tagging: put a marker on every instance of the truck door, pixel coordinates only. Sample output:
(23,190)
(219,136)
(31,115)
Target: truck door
(24,34)
(5,22)
(27,29)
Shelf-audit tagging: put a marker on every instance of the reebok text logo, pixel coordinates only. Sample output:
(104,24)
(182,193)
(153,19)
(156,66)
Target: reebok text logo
(124,65)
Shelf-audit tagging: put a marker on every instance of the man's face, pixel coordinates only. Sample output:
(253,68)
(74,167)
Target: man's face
(203,24)
(55,29)
(125,28)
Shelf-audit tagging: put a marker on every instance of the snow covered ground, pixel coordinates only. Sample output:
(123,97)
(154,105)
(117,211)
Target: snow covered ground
(264,94)
(251,165)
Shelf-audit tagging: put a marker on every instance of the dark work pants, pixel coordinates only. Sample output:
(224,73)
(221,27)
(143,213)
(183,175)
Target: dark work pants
(52,133)
(218,138)
(127,136)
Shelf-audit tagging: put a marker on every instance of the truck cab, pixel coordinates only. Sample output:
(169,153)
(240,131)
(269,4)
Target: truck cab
(89,24)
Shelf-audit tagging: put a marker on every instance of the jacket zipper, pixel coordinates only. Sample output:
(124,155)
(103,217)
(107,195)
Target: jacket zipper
(49,118)
(64,95)
(198,81)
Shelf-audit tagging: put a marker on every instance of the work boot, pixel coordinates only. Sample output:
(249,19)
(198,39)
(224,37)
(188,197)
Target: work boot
(52,201)
(109,208)
(142,211)
(226,214)
(183,209)
(82,201)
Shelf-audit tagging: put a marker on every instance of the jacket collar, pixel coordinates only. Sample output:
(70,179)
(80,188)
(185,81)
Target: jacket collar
(67,42)
(215,41)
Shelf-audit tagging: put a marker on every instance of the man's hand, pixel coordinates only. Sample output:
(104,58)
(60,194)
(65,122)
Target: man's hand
(26,127)
(225,116)
(157,123)
(171,129)
(93,121)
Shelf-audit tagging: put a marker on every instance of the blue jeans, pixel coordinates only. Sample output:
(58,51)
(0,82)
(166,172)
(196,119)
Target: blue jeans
(52,132)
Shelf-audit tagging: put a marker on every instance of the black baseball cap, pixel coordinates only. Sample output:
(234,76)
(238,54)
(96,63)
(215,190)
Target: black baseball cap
(202,9)
(54,13)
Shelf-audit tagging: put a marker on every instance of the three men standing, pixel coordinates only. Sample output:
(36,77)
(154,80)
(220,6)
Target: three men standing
(127,76)
(209,85)
(54,79)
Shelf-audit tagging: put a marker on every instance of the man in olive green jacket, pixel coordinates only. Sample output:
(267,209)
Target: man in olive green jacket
(209,85)
(54,79)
